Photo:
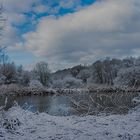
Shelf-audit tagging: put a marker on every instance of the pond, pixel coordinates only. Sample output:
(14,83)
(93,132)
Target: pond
(76,104)
(53,105)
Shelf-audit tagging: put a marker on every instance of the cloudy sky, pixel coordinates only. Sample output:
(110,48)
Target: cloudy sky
(69,32)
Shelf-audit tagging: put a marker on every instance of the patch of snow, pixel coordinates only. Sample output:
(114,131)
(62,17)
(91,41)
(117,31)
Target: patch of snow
(41,126)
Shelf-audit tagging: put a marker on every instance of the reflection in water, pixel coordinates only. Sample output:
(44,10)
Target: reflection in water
(59,105)
(53,105)
(77,104)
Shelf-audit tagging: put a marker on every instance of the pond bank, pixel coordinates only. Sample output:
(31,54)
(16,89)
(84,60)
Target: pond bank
(27,91)
(72,101)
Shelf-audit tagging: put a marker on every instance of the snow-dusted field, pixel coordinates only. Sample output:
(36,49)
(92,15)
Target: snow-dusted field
(34,126)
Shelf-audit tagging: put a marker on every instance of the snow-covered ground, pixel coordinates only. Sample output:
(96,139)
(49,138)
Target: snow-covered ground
(41,126)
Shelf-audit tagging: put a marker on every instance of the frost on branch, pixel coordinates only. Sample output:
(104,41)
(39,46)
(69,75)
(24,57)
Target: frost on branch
(128,77)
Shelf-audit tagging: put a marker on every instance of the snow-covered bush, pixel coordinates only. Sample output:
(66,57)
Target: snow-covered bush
(128,77)
(11,123)
(13,87)
(67,82)
(71,82)
(23,78)
(84,75)
(9,71)
(2,79)
(35,84)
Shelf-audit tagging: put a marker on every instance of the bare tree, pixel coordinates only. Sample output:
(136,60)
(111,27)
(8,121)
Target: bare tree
(2,19)
(42,70)
(2,25)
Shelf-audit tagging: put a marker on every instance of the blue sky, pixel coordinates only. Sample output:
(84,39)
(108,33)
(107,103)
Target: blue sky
(28,25)
(69,32)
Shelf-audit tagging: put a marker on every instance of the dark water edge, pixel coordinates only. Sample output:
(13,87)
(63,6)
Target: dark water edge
(75,104)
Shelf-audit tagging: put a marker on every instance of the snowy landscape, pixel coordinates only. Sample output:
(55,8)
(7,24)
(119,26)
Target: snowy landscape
(69,70)
(100,102)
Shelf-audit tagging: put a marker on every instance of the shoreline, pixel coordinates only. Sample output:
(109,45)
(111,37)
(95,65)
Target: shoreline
(27,91)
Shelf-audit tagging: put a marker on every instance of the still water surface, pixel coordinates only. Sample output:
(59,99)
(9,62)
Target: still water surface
(53,105)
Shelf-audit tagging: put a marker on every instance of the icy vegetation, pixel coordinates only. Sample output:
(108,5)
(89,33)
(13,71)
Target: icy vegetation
(121,73)
(109,72)
(35,84)
(18,124)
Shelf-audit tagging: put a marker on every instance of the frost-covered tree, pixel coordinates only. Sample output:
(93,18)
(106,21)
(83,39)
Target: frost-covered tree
(22,77)
(105,71)
(128,77)
(9,71)
(75,70)
(42,71)
(128,62)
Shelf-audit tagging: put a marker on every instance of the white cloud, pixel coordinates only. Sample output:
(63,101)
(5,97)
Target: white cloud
(106,28)
(69,3)
(19,6)
(41,9)
(15,14)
